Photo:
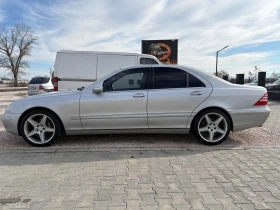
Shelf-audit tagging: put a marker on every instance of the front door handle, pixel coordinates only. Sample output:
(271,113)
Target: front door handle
(196,93)
(138,95)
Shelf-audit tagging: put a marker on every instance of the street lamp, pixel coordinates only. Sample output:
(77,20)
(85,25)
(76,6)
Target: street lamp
(217,59)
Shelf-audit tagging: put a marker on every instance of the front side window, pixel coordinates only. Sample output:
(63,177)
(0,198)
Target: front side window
(148,61)
(132,79)
(165,77)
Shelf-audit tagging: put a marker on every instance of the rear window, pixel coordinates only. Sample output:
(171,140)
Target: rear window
(39,80)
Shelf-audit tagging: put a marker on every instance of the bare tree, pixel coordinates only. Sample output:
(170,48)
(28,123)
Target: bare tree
(15,44)
(276,75)
(253,75)
(221,73)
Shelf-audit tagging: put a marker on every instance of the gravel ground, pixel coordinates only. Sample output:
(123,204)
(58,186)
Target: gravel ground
(268,135)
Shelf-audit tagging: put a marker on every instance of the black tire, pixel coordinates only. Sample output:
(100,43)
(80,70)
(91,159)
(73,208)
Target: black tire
(201,115)
(58,127)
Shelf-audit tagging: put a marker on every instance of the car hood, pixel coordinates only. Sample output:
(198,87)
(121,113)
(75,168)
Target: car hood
(51,94)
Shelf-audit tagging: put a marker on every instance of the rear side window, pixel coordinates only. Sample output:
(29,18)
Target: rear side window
(174,78)
(148,61)
(45,80)
(194,82)
(169,78)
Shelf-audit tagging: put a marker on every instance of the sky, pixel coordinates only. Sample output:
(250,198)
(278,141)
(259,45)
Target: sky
(251,28)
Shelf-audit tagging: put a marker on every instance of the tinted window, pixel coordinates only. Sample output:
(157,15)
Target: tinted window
(45,80)
(169,78)
(132,79)
(174,78)
(39,80)
(35,80)
(147,61)
(194,82)
(271,80)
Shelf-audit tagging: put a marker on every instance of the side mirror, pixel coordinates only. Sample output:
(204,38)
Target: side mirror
(97,90)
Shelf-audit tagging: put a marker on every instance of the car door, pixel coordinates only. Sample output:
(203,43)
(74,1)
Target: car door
(121,105)
(174,96)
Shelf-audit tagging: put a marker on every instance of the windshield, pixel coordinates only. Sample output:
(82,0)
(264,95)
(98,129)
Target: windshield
(277,82)
(255,81)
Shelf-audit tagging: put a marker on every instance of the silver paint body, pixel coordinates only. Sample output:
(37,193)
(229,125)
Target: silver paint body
(159,111)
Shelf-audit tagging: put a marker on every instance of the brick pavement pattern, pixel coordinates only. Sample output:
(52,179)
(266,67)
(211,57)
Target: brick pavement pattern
(198,178)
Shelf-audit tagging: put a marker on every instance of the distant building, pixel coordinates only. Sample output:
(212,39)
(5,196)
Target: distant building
(6,80)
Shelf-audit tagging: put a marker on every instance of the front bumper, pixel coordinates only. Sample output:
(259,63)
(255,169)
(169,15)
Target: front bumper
(249,118)
(10,122)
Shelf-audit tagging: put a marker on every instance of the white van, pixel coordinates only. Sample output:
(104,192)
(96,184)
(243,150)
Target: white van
(74,69)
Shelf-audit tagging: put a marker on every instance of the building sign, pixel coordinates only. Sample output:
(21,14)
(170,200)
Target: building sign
(166,51)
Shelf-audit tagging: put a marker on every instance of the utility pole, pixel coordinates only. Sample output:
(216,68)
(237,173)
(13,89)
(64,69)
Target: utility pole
(50,72)
(217,59)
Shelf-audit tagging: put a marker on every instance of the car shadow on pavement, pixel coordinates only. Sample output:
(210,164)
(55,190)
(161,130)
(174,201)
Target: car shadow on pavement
(9,141)
(136,140)
(106,148)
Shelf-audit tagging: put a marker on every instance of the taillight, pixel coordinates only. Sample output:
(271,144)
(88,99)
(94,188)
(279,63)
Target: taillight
(263,101)
(55,83)
(41,87)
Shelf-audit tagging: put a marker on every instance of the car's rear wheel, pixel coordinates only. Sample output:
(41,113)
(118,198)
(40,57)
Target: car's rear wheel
(40,128)
(212,126)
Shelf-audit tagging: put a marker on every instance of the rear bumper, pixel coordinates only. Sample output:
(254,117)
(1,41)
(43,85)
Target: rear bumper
(10,122)
(249,118)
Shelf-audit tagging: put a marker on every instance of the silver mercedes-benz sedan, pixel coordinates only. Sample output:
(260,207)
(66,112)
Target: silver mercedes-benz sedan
(142,99)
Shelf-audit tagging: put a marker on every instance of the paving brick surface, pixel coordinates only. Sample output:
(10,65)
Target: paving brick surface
(198,178)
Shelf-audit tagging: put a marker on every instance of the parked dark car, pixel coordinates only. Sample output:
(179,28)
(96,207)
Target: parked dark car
(275,86)
(268,81)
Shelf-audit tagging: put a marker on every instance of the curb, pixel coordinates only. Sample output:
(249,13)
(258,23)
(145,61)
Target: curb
(13,89)
(121,149)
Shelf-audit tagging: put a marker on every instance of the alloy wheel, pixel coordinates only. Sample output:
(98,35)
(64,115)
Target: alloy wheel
(39,128)
(212,127)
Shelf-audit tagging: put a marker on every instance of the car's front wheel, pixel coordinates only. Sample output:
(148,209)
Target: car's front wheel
(40,128)
(212,126)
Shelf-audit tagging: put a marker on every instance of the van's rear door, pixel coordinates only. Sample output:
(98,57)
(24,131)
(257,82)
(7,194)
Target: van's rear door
(75,69)
(107,63)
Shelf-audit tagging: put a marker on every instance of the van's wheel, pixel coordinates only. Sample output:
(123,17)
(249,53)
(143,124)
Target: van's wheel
(40,128)
(212,126)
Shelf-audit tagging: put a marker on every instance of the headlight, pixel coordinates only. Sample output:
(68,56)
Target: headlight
(7,109)
(10,108)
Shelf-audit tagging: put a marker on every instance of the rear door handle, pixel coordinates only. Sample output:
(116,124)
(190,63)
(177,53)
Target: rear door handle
(138,95)
(196,93)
